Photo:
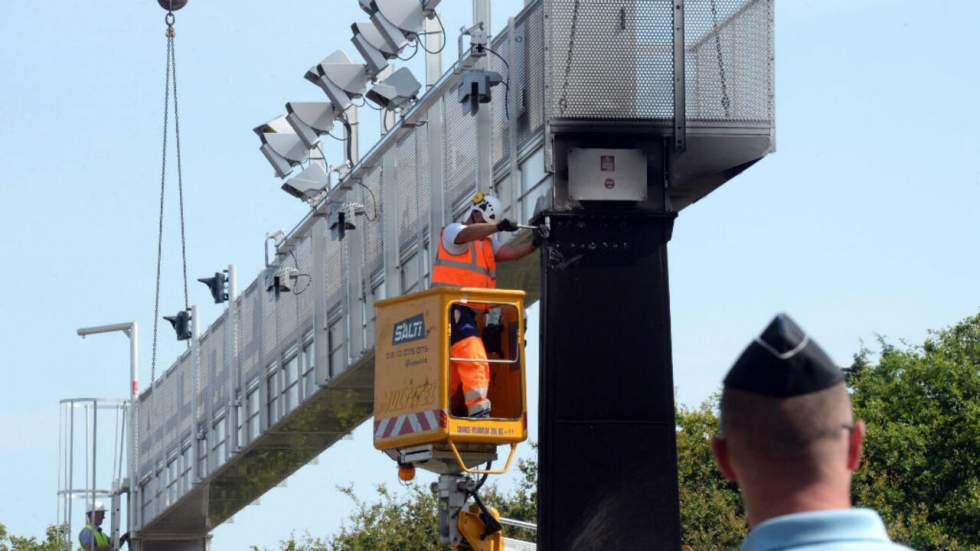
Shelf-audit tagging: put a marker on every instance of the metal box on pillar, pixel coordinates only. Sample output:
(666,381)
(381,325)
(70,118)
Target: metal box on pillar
(649,106)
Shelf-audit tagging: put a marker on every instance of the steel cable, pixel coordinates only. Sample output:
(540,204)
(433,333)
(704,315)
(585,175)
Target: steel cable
(170,84)
(163,187)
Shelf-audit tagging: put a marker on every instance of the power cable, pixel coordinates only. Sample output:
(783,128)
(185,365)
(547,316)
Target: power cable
(309,278)
(374,203)
(506,82)
(337,138)
(442,30)
(483,479)
(414,52)
(366,103)
(349,142)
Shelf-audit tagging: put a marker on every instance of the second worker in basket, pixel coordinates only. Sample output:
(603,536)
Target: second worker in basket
(467,257)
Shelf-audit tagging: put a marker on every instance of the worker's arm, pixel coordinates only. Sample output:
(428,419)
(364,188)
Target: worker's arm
(475,232)
(481,230)
(512,251)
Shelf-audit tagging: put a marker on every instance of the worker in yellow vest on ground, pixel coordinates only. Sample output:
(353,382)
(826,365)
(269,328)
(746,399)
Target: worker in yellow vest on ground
(91,537)
(467,257)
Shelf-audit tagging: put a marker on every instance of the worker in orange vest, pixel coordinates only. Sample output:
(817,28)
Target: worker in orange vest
(467,257)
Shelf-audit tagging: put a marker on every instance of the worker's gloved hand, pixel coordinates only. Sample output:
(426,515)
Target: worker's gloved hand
(540,235)
(124,538)
(506,225)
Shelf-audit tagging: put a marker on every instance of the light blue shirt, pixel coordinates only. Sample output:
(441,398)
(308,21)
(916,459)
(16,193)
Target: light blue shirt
(86,537)
(843,529)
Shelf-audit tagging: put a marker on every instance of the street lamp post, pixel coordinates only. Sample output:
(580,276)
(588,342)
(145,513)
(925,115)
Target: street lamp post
(132,331)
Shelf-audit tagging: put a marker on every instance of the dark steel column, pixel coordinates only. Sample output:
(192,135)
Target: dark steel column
(608,459)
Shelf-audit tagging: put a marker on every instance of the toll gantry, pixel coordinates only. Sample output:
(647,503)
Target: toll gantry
(611,116)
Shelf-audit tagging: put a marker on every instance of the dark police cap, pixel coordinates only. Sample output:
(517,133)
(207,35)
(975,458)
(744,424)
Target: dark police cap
(783,362)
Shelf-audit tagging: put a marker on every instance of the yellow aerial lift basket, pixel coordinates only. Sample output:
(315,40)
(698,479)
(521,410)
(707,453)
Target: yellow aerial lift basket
(416,419)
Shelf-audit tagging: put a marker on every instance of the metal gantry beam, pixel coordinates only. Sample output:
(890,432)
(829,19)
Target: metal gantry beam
(484,117)
(680,83)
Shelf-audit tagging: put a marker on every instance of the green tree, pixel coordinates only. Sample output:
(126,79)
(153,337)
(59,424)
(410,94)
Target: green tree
(406,523)
(53,536)
(921,467)
(712,516)
(522,503)
(922,456)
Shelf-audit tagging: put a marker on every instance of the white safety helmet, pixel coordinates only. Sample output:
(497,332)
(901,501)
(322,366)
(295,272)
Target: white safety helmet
(488,205)
(96,507)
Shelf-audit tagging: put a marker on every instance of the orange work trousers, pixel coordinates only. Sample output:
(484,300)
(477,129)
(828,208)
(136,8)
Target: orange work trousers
(472,375)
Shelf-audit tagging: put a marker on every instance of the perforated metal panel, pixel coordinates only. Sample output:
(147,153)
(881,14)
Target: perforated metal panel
(460,149)
(287,308)
(212,355)
(304,286)
(249,346)
(269,330)
(333,272)
(372,229)
(729,71)
(614,59)
(422,179)
(405,178)
(611,59)
(499,110)
(530,32)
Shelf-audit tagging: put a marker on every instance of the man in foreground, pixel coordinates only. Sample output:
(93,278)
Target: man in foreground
(789,439)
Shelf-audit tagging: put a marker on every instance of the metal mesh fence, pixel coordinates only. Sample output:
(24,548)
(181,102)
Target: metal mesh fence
(530,47)
(248,355)
(405,179)
(212,356)
(728,72)
(372,229)
(460,150)
(611,59)
(269,334)
(422,190)
(332,273)
(499,111)
(304,259)
(286,305)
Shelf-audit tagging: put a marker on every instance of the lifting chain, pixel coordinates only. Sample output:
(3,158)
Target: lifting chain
(170,85)
(725,101)
(563,101)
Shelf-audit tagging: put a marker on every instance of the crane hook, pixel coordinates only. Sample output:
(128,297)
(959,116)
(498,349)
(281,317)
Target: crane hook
(172,5)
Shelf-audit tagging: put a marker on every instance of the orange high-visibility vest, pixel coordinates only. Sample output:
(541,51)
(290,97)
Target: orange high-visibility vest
(476,267)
